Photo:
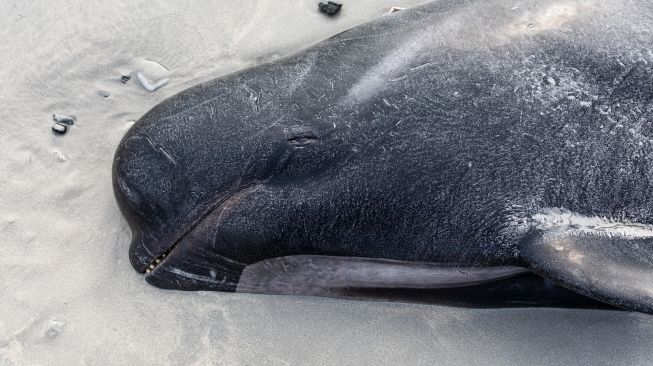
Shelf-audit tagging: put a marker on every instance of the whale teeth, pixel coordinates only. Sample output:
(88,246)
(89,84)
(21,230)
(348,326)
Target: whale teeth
(156,261)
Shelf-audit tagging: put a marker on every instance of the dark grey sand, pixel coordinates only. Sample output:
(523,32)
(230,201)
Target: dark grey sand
(68,295)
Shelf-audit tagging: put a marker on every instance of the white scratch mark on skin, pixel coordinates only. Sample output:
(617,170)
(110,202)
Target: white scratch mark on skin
(390,104)
(421,66)
(165,153)
(192,276)
(150,141)
(358,38)
(161,150)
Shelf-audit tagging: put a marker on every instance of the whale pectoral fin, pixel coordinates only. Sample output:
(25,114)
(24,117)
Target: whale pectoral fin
(614,268)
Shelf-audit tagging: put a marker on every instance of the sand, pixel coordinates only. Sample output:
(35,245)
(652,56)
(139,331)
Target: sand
(68,295)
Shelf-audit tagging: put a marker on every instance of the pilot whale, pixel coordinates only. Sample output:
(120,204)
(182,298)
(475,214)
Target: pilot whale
(452,144)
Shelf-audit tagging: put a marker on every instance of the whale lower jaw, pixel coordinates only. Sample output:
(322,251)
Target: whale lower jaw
(228,200)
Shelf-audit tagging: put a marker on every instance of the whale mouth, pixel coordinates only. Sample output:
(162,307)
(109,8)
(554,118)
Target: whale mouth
(226,202)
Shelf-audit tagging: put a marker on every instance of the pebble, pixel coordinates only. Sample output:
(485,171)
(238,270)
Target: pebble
(53,328)
(60,118)
(59,128)
(330,8)
(125,78)
(61,158)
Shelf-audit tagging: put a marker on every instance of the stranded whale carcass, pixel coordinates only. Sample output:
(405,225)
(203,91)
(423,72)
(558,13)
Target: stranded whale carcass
(451,144)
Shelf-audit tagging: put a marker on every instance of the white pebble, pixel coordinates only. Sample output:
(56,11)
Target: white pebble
(53,328)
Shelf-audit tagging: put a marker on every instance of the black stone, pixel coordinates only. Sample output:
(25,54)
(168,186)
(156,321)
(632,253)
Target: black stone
(62,119)
(330,8)
(59,128)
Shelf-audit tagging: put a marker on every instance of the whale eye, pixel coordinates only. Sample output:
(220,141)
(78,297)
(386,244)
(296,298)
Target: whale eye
(301,136)
(302,140)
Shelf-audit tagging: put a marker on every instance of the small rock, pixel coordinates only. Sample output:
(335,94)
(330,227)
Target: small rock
(125,78)
(53,328)
(59,128)
(330,8)
(60,118)
(61,158)
(104,93)
(395,9)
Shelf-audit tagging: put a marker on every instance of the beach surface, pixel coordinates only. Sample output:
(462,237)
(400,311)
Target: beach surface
(68,295)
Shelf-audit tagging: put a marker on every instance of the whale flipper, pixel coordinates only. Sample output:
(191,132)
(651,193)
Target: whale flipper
(614,267)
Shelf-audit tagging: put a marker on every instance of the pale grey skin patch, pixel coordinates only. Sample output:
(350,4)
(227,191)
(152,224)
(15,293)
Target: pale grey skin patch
(324,275)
